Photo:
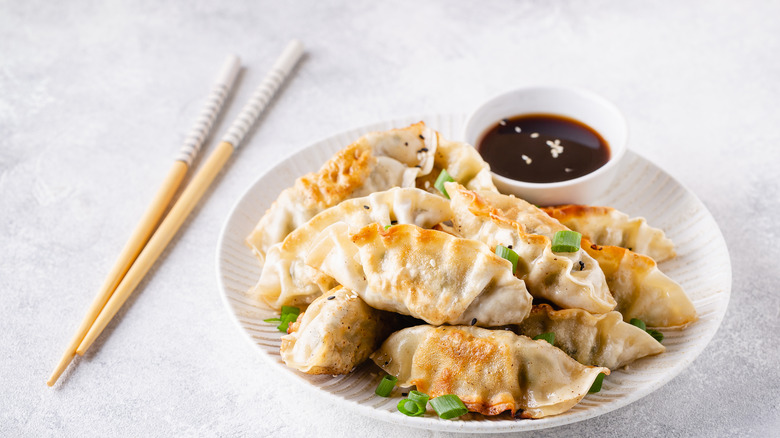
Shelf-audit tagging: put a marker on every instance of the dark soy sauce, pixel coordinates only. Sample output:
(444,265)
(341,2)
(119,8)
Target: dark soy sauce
(543,148)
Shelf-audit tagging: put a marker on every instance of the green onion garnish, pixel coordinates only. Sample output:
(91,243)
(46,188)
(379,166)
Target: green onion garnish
(443,178)
(411,408)
(419,397)
(508,254)
(448,406)
(566,241)
(289,314)
(388,226)
(549,337)
(285,322)
(414,406)
(658,336)
(290,310)
(386,386)
(596,387)
(639,323)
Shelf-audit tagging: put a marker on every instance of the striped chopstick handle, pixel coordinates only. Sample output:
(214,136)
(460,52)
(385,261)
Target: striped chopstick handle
(216,99)
(263,93)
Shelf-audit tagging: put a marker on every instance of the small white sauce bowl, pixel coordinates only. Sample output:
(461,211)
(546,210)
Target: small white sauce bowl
(585,106)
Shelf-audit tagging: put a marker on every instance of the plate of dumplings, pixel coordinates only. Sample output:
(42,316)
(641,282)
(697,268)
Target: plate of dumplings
(386,252)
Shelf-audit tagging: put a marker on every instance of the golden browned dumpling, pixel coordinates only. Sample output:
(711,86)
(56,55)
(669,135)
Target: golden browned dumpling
(570,280)
(353,172)
(334,335)
(595,340)
(641,290)
(287,281)
(610,227)
(492,371)
(407,157)
(427,274)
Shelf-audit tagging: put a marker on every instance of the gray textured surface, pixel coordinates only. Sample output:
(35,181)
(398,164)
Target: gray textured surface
(95,98)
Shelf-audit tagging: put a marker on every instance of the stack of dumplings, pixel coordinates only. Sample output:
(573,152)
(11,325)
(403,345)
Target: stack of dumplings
(386,265)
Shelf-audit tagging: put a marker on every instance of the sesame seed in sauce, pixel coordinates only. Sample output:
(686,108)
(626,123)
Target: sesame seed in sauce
(473,321)
(534,135)
(517,129)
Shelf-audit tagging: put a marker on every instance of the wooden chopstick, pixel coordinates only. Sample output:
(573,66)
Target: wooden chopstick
(195,190)
(143,231)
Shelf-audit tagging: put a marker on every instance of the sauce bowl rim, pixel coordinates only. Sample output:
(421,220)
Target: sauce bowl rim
(617,150)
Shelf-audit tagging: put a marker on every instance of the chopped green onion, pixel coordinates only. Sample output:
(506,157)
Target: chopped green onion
(290,310)
(443,178)
(411,408)
(549,337)
(448,406)
(286,319)
(508,254)
(639,323)
(289,314)
(386,386)
(658,336)
(419,397)
(566,241)
(415,405)
(388,226)
(596,387)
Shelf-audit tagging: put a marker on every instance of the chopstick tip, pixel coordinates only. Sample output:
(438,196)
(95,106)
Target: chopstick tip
(61,366)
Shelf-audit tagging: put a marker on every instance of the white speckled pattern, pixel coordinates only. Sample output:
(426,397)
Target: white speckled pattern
(97,96)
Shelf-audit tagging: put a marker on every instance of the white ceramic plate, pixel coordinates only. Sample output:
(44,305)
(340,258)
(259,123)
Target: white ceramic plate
(702,267)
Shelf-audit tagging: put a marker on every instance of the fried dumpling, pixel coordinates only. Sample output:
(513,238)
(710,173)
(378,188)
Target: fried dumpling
(427,274)
(462,162)
(641,290)
(492,371)
(334,335)
(533,219)
(570,280)
(375,162)
(595,340)
(286,280)
(607,226)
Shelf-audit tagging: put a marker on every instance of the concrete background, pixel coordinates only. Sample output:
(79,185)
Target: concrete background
(96,96)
